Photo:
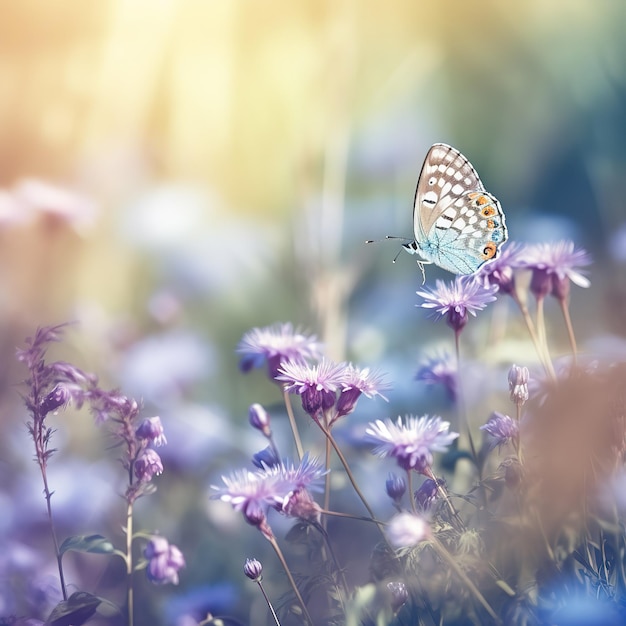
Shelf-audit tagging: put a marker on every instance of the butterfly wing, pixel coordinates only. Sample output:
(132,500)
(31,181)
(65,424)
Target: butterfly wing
(458,225)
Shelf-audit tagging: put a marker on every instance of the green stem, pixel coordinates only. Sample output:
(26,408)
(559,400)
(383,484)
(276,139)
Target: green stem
(269,604)
(447,557)
(281,558)
(129,561)
(292,422)
(570,328)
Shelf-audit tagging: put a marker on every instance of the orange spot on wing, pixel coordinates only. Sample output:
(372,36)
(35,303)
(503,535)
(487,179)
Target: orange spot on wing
(489,251)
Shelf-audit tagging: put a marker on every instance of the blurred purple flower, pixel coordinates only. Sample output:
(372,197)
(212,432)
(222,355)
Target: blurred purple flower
(518,384)
(501,429)
(164,561)
(411,441)
(439,369)
(259,418)
(427,493)
(553,266)
(276,345)
(395,487)
(148,465)
(456,299)
(316,385)
(358,381)
(151,430)
(265,458)
(407,530)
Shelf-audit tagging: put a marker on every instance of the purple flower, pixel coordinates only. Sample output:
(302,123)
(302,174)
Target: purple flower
(58,398)
(411,442)
(395,486)
(305,475)
(164,561)
(456,299)
(407,530)
(439,369)
(317,385)
(356,382)
(553,266)
(148,465)
(518,384)
(427,493)
(501,271)
(151,429)
(253,569)
(265,458)
(259,418)
(501,429)
(242,488)
(275,345)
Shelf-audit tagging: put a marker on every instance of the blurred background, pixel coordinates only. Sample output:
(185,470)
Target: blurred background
(173,173)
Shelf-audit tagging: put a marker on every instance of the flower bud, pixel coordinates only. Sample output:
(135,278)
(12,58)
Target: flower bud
(399,595)
(395,486)
(518,384)
(58,398)
(164,561)
(253,569)
(151,429)
(259,418)
(147,465)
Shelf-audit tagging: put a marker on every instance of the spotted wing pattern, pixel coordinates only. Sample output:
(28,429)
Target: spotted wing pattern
(458,225)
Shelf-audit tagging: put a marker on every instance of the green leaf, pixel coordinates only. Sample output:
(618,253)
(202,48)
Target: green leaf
(74,611)
(87,543)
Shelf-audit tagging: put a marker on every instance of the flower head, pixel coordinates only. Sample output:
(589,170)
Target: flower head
(518,384)
(316,385)
(427,493)
(151,429)
(501,429)
(356,382)
(148,465)
(501,271)
(455,300)
(440,369)
(553,266)
(164,561)
(407,530)
(275,345)
(395,486)
(253,569)
(411,441)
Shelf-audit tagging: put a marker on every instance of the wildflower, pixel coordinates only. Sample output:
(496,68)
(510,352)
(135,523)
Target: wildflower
(407,530)
(395,486)
(399,595)
(316,384)
(151,429)
(58,398)
(411,442)
(501,428)
(164,561)
(265,458)
(148,465)
(501,271)
(455,300)
(427,494)
(518,384)
(275,345)
(356,382)
(553,266)
(253,569)
(306,475)
(259,418)
(440,369)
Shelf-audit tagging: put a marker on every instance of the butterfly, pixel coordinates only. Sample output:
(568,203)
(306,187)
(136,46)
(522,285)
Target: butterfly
(457,224)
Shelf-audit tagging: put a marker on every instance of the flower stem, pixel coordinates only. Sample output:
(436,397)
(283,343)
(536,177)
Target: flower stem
(447,557)
(292,422)
(570,328)
(129,561)
(281,558)
(409,485)
(269,604)
(327,479)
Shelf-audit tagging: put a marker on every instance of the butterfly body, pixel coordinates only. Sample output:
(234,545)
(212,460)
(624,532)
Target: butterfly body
(457,224)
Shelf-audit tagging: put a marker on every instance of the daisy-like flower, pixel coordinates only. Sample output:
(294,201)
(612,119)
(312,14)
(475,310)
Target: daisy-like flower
(439,369)
(275,345)
(356,382)
(501,271)
(316,385)
(406,530)
(411,442)
(457,299)
(501,429)
(554,266)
